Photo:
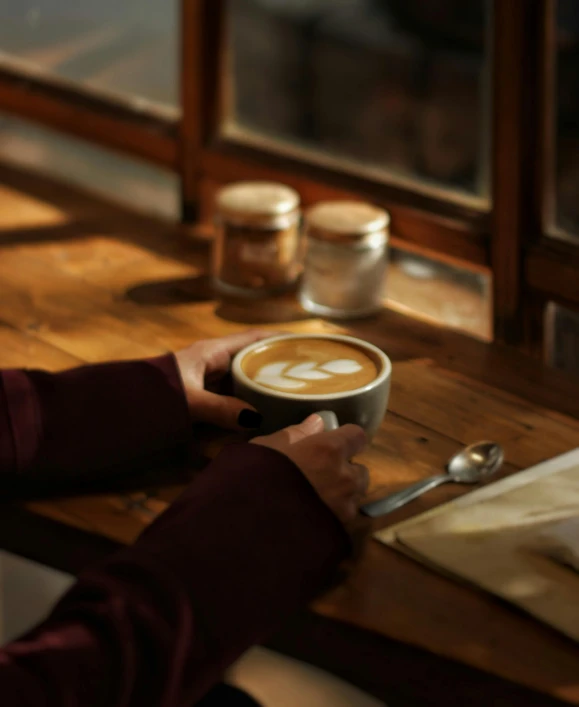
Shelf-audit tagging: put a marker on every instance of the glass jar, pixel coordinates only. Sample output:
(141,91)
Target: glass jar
(346,259)
(257,248)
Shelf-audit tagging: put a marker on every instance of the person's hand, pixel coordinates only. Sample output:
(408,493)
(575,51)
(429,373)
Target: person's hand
(324,459)
(202,365)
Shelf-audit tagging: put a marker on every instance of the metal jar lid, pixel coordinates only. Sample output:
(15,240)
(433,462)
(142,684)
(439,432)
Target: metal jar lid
(351,223)
(267,205)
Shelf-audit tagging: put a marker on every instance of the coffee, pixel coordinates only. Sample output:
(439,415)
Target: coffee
(310,366)
(290,377)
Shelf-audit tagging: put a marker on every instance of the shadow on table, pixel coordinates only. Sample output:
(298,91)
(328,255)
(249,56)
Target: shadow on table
(241,310)
(166,292)
(276,310)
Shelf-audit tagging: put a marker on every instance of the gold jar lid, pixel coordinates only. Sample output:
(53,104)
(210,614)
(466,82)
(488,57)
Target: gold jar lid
(258,204)
(347,222)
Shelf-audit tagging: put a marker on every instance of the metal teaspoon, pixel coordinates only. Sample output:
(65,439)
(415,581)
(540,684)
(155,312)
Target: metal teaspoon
(469,466)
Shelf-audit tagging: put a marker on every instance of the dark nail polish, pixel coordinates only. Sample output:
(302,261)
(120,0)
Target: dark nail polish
(249,419)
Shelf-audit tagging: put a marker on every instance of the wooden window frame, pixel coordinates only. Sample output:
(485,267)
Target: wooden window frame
(126,125)
(510,241)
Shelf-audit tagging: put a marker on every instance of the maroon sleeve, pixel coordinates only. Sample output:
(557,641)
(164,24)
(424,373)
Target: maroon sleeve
(90,418)
(158,623)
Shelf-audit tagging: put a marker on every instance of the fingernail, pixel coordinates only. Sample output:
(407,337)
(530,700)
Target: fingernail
(314,421)
(250,419)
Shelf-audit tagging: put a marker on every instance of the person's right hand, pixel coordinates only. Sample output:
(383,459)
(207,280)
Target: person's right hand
(324,459)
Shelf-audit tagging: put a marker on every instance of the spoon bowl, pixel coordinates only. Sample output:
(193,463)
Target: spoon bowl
(475,462)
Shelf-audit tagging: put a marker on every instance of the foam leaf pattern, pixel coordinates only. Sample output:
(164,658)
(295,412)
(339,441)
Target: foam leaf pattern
(280,382)
(273,369)
(342,366)
(278,375)
(272,375)
(307,371)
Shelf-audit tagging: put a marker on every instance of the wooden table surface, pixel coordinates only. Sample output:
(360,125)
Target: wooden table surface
(83,281)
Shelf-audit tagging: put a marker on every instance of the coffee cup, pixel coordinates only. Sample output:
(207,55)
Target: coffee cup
(290,376)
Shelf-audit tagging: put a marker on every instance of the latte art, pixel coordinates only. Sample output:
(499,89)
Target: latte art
(284,375)
(310,366)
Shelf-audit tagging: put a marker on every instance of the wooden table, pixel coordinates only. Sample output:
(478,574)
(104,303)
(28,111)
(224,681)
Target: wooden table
(81,280)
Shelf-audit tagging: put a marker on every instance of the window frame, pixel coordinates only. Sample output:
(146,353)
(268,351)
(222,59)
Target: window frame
(137,128)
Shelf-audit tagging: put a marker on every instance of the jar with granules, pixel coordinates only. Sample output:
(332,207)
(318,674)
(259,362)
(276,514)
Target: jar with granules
(257,248)
(346,258)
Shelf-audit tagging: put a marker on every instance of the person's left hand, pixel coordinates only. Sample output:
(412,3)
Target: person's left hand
(203,364)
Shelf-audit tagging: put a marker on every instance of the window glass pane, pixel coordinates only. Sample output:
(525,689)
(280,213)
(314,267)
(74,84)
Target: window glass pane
(446,294)
(125,180)
(127,46)
(562,338)
(385,86)
(567,120)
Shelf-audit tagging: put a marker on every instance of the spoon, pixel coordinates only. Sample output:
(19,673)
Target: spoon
(469,466)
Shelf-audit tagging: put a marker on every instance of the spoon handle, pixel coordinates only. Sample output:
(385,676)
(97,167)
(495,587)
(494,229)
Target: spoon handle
(401,498)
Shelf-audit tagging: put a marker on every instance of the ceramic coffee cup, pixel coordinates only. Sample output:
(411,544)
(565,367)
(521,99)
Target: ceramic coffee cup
(257,374)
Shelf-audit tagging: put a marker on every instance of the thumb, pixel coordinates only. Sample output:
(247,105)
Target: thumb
(312,425)
(224,411)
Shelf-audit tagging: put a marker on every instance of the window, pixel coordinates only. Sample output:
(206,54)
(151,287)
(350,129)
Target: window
(458,117)
(397,87)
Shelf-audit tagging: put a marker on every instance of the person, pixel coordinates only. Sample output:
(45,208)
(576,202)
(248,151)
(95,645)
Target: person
(260,530)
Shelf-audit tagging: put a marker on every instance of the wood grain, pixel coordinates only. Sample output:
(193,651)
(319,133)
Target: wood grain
(551,268)
(399,674)
(514,78)
(390,594)
(22,350)
(115,285)
(466,411)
